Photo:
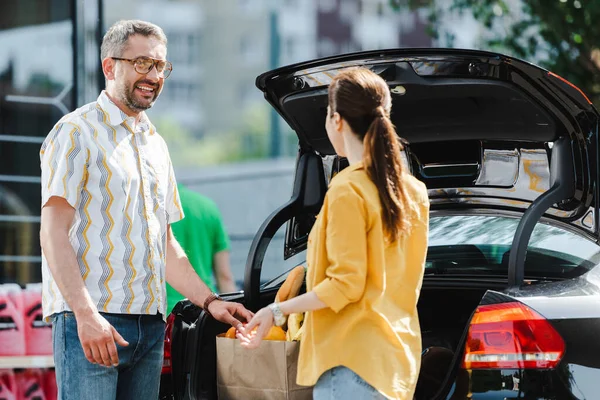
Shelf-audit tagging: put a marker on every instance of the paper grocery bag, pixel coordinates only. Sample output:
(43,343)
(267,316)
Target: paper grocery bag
(265,373)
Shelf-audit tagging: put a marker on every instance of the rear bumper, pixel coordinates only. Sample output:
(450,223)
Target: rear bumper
(513,384)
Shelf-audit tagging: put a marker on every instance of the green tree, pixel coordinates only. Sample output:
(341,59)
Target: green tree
(247,141)
(560,35)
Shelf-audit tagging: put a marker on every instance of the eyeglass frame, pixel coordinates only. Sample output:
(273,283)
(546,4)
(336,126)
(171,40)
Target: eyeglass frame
(132,61)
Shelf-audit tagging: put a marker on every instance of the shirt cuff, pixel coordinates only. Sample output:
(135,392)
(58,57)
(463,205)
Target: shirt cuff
(175,217)
(331,295)
(70,198)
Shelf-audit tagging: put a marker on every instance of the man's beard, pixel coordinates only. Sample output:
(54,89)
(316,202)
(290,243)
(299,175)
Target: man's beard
(128,98)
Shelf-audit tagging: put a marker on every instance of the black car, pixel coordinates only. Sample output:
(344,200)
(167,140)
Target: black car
(510,303)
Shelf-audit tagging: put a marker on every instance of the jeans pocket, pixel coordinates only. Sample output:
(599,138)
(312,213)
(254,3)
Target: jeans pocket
(70,327)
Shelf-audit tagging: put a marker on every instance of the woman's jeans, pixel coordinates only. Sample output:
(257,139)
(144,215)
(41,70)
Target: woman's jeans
(343,384)
(136,377)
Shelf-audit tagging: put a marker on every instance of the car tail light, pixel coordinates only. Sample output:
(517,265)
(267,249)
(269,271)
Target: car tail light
(167,362)
(511,336)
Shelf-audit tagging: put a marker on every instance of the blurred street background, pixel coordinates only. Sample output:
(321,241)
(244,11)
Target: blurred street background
(225,141)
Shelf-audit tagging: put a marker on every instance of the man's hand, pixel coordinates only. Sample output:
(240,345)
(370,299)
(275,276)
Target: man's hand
(98,339)
(229,312)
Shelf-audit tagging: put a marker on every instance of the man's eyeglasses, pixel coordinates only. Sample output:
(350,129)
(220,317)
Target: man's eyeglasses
(143,65)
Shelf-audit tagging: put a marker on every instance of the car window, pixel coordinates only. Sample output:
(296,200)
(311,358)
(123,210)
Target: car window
(274,263)
(278,280)
(481,244)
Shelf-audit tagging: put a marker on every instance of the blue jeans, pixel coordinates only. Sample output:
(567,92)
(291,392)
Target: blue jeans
(136,377)
(341,383)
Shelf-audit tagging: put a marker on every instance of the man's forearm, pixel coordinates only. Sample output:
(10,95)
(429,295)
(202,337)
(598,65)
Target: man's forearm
(181,275)
(65,271)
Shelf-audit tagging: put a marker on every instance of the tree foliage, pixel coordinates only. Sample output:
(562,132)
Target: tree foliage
(560,35)
(248,140)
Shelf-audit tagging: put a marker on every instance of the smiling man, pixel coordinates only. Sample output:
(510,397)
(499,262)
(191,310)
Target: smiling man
(109,197)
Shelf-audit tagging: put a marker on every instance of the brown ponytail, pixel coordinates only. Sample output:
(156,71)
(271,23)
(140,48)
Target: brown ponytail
(383,162)
(363,99)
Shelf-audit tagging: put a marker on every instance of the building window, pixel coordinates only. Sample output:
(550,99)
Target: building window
(27,84)
(193,48)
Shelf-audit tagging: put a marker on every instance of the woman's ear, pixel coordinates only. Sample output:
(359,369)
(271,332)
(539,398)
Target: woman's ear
(338,122)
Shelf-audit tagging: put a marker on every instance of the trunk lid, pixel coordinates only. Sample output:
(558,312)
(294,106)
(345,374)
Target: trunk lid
(480,126)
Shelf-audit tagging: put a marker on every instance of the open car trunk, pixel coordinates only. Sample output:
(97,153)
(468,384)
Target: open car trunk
(445,309)
(444,314)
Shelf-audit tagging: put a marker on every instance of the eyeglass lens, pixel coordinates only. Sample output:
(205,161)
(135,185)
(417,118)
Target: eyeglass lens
(144,65)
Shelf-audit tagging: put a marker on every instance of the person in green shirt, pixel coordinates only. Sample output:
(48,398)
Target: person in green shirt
(202,235)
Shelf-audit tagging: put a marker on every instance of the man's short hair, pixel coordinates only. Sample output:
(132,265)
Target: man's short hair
(114,42)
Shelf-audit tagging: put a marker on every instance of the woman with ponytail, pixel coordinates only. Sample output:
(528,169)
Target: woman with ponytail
(365,259)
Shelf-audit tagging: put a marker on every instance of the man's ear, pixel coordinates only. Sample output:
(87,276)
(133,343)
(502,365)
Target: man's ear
(108,67)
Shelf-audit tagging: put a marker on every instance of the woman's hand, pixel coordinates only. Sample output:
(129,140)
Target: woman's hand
(253,333)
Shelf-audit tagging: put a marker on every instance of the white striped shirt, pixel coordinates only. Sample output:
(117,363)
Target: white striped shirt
(122,185)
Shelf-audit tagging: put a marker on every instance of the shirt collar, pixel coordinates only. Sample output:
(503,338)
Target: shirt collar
(353,167)
(115,117)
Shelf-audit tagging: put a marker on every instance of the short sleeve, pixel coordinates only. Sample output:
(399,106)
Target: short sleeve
(173,202)
(63,161)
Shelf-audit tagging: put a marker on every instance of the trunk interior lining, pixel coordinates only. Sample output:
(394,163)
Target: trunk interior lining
(431,111)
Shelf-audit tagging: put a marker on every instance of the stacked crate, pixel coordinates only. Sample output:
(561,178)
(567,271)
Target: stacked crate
(25,345)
